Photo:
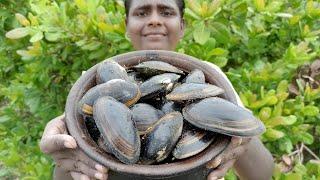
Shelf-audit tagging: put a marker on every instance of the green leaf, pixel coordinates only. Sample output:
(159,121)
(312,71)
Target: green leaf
(265,113)
(210,44)
(273,134)
(4,119)
(299,168)
(17,33)
(37,37)
(285,144)
(52,36)
(22,20)
(218,52)
(201,34)
(282,86)
(220,61)
(293,176)
(310,110)
(281,120)
(91,46)
(306,138)
(220,32)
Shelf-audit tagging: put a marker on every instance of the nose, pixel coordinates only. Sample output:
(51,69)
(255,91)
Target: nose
(155,20)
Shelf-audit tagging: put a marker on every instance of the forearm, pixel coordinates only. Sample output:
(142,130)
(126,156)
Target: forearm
(255,163)
(60,174)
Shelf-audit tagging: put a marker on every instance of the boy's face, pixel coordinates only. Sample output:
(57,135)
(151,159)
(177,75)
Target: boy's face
(154,24)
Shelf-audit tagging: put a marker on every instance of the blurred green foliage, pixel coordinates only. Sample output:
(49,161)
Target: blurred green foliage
(46,44)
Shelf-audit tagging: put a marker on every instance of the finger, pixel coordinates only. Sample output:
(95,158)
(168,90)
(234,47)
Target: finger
(64,154)
(79,176)
(233,154)
(57,142)
(78,166)
(90,162)
(221,170)
(236,141)
(214,163)
(79,155)
(55,126)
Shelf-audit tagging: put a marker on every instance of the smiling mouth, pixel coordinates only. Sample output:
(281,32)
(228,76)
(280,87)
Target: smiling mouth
(154,36)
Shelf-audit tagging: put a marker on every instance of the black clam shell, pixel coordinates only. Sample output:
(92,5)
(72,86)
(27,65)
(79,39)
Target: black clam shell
(158,84)
(192,142)
(161,140)
(123,91)
(196,76)
(114,121)
(193,91)
(221,116)
(144,116)
(109,70)
(152,68)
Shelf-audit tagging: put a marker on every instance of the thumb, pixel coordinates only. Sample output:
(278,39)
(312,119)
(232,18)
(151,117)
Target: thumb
(57,142)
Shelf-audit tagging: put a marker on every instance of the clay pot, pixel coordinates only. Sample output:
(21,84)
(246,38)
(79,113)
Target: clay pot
(190,168)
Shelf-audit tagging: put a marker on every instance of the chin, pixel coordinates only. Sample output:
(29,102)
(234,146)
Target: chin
(156,47)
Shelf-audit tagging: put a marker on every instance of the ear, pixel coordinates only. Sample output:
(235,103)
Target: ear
(182,28)
(126,33)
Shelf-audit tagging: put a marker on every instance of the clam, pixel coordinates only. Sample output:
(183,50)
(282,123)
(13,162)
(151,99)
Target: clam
(193,91)
(170,106)
(152,68)
(144,116)
(109,70)
(135,77)
(196,76)
(158,84)
(162,138)
(114,121)
(123,91)
(221,116)
(192,142)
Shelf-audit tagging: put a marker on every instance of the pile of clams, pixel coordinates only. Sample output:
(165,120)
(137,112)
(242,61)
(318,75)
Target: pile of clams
(154,112)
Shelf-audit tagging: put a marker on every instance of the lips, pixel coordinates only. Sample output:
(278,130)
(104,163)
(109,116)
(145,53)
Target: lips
(155,34)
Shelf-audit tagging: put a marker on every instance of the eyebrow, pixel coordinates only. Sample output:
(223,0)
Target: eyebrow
(148,6)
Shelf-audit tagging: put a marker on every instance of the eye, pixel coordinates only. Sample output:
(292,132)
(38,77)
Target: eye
(142,14)
(167,13)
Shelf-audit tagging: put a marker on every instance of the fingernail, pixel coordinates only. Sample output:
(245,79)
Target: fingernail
(236,141)
(101,168)
(213,164)
(98,176)
(69,145)
(84,177)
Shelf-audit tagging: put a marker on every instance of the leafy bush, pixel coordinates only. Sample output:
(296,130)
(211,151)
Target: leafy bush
(259,44)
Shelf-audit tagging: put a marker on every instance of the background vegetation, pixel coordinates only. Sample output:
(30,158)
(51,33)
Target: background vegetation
(266,47)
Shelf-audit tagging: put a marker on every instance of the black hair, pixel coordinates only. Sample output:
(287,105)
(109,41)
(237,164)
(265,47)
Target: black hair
(180,3)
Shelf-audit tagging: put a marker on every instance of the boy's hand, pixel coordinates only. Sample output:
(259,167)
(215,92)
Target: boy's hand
(223,162)
(66,154)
